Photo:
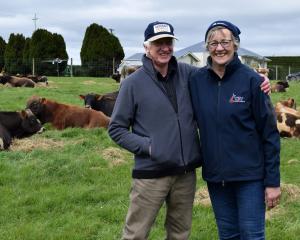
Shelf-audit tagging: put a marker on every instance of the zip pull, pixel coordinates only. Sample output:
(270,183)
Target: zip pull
(223,183)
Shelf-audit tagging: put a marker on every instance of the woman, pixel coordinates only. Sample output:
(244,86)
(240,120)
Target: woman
(240,141)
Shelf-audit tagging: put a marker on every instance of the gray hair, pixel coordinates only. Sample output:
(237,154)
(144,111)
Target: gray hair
(212,32)
(147,44)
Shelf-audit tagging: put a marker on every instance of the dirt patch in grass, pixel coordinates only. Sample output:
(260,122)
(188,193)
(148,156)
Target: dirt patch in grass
(29,144)
(289,193)
(114,156)
(202,197)
(293,161)
(273,212)
(89,82)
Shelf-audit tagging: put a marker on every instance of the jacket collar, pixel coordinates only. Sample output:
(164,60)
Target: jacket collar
(229,67)
(148,65)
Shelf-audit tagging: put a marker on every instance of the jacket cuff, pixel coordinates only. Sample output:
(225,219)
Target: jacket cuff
(145,146)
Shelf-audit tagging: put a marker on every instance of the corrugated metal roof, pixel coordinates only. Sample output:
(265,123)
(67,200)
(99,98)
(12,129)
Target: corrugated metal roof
(134,57)
(200,47)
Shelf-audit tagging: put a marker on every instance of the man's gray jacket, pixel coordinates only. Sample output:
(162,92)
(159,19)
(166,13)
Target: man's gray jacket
(143,116)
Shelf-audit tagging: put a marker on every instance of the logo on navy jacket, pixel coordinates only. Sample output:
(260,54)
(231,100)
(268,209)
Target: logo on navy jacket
(236,99)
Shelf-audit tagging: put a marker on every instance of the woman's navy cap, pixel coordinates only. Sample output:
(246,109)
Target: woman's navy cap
(157,30)
(234,29)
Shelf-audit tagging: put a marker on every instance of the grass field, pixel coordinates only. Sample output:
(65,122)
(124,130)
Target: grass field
(74,184)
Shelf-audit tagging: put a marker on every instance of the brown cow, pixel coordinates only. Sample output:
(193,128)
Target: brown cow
(288,118)
(62,116)
(17,81)
(127,70)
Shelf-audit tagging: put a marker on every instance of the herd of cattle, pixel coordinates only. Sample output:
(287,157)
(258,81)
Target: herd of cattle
(97,111)
(22,81)
(39,110)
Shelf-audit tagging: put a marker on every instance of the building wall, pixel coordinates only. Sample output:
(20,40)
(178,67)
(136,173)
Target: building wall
(189,60)
(253,62)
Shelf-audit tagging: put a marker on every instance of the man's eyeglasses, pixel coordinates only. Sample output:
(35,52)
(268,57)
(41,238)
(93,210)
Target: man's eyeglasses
(214,44)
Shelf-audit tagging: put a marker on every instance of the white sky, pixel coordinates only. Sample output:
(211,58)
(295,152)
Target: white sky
(269,27)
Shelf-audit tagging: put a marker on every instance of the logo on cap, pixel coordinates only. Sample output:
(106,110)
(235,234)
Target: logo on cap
(161,28)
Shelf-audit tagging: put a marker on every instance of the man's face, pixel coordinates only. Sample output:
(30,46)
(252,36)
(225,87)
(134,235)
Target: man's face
(161,51)
(221,47)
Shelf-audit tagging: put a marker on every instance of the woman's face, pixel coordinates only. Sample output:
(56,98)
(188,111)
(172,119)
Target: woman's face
(221,47)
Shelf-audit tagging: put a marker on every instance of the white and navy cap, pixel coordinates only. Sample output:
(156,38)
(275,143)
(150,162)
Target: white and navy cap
(157,30)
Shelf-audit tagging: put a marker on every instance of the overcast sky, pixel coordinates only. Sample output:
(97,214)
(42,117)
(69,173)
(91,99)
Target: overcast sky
(269,27)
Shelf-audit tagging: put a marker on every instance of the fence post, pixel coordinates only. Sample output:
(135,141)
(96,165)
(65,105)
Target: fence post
(276,72)
(33,67)
(71,68)
(113,65)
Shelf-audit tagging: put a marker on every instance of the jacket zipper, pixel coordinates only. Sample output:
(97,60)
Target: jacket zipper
(219,131)
(181,145)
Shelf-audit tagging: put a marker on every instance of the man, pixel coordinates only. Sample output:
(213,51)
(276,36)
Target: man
(153,118)
(154,101)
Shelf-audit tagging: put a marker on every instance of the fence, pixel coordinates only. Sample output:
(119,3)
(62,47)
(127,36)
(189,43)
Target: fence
(60,67)
(279,72)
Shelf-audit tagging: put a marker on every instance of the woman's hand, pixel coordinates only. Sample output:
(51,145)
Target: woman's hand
(272,196)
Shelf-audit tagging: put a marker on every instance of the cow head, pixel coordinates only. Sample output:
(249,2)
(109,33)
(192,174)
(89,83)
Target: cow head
(5,79)
(127,70)
(30,123)
(90,99)
(289,103)
(36,105)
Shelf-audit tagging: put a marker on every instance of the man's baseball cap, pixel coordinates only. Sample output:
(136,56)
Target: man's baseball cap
(157,30)
(231,27)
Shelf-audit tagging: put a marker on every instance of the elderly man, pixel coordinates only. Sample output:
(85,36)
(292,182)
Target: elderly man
(153,118)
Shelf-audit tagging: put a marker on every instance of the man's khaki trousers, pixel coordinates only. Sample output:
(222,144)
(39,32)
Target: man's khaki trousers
(147,197)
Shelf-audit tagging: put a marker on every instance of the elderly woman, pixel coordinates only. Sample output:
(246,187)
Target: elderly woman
(240,141)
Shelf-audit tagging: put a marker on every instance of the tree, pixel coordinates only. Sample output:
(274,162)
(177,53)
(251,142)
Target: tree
(27,61)
(2,50)
(99,50)
(13,54)
(44,48)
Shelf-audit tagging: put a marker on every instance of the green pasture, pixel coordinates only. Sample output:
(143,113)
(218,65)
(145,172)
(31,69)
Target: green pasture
(74,184)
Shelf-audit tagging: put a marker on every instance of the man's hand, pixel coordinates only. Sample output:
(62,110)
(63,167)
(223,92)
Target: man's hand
(265,86)
(272,196)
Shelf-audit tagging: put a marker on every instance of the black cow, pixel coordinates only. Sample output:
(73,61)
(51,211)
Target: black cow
(104,103)
(5,138)
(116,77)
(38,79)
(280,86)
(17,125)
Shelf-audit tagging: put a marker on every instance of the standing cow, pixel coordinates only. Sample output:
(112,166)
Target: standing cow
(17,125)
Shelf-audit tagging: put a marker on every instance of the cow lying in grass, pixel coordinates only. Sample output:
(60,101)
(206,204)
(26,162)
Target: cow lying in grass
(17,125)
(62,116)
(38,79)
(16,81)
(288,118)
(280,86)
(104,103)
